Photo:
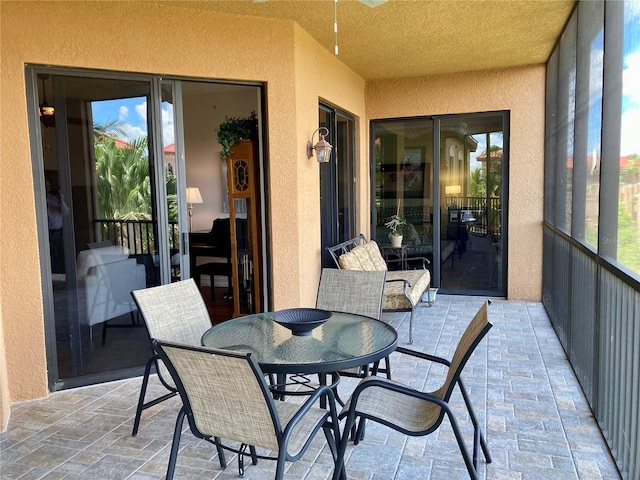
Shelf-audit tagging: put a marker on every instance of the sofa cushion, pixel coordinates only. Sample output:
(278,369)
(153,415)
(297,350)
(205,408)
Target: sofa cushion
(100,256)
(361,252)
(348,261)
(377,262)
(394,298)
(446,249)
(410,235)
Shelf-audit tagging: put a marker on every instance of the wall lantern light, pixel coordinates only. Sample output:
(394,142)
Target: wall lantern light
(46,110)
(322,148)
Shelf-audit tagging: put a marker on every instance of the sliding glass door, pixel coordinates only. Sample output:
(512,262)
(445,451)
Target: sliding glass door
(337,177)
(110,200)
(447,176)
(472,185)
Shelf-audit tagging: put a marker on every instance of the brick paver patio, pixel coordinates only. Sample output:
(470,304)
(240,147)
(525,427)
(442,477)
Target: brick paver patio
(536,420)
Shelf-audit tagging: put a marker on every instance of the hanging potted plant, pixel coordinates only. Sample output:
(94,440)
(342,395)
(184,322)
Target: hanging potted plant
(395,224)
(233,129)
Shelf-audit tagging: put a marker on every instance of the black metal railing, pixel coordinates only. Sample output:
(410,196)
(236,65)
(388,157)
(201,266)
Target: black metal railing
(485,212)
(139,236)
(593,307)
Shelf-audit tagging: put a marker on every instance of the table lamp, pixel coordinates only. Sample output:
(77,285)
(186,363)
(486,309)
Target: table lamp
(193,196)
(451,190)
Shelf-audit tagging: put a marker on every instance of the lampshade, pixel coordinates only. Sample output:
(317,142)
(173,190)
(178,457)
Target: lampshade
(193,195)
(453,190)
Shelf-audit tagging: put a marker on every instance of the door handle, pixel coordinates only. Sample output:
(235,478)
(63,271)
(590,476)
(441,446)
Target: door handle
(185,240)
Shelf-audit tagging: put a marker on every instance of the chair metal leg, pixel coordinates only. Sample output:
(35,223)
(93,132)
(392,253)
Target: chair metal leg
(478,440)
(221,458)
(280,464)
(357,433)
(334,443)
(104,332)
(143,390)
(471,467)
(375,369)
(175,445)
(413,307)
(254,455)
(340,472)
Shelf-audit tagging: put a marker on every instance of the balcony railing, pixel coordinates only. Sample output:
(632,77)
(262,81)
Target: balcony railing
(139,236)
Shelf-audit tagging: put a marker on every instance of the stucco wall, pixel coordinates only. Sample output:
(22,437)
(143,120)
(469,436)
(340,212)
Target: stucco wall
(520,91)
(319,77)
(5,399)
(121,36)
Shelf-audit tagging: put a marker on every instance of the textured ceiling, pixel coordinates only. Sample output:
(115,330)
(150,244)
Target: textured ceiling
(406,38)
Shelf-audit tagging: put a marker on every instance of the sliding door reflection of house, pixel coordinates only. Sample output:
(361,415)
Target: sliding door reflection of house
(103,217)
(450,192)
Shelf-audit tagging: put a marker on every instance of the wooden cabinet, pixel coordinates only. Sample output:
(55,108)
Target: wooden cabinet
(246,240)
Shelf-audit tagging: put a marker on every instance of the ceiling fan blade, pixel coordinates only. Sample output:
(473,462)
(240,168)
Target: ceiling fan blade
(373,3)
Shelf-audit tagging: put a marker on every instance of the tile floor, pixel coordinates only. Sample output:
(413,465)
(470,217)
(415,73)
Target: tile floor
(536,420)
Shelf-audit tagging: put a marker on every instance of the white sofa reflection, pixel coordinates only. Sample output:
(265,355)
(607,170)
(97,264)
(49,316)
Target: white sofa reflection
(106,277)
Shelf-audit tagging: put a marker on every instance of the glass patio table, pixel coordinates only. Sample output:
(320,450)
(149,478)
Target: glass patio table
(344,341)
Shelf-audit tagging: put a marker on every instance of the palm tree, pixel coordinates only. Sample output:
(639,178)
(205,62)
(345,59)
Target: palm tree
(123,190)
(122,175)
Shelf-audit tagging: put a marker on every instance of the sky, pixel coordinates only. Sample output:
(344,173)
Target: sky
(630,136)
(131,114)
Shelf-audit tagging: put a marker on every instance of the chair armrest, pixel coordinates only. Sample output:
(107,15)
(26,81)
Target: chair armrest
(423,356)
(323,390)
(380,382)
(425,261)
(407,283)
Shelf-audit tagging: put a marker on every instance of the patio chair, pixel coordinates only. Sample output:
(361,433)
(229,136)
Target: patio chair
(173,312)
(353,291)
(224,395)
(417,413)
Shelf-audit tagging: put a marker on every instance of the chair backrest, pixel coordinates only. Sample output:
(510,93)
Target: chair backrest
(220,235)
(175,312)
(224,394)
(345,247)
(351,291)
(474,333)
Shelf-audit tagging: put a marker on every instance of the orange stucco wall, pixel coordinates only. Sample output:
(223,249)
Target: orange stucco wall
(122,36)
(520,91)
(5,399)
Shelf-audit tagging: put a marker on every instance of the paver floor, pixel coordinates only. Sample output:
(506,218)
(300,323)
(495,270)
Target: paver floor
(537,423)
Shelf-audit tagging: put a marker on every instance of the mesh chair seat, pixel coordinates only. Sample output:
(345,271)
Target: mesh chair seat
(412,415)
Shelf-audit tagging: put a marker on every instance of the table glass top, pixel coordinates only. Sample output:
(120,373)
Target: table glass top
(343,341)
